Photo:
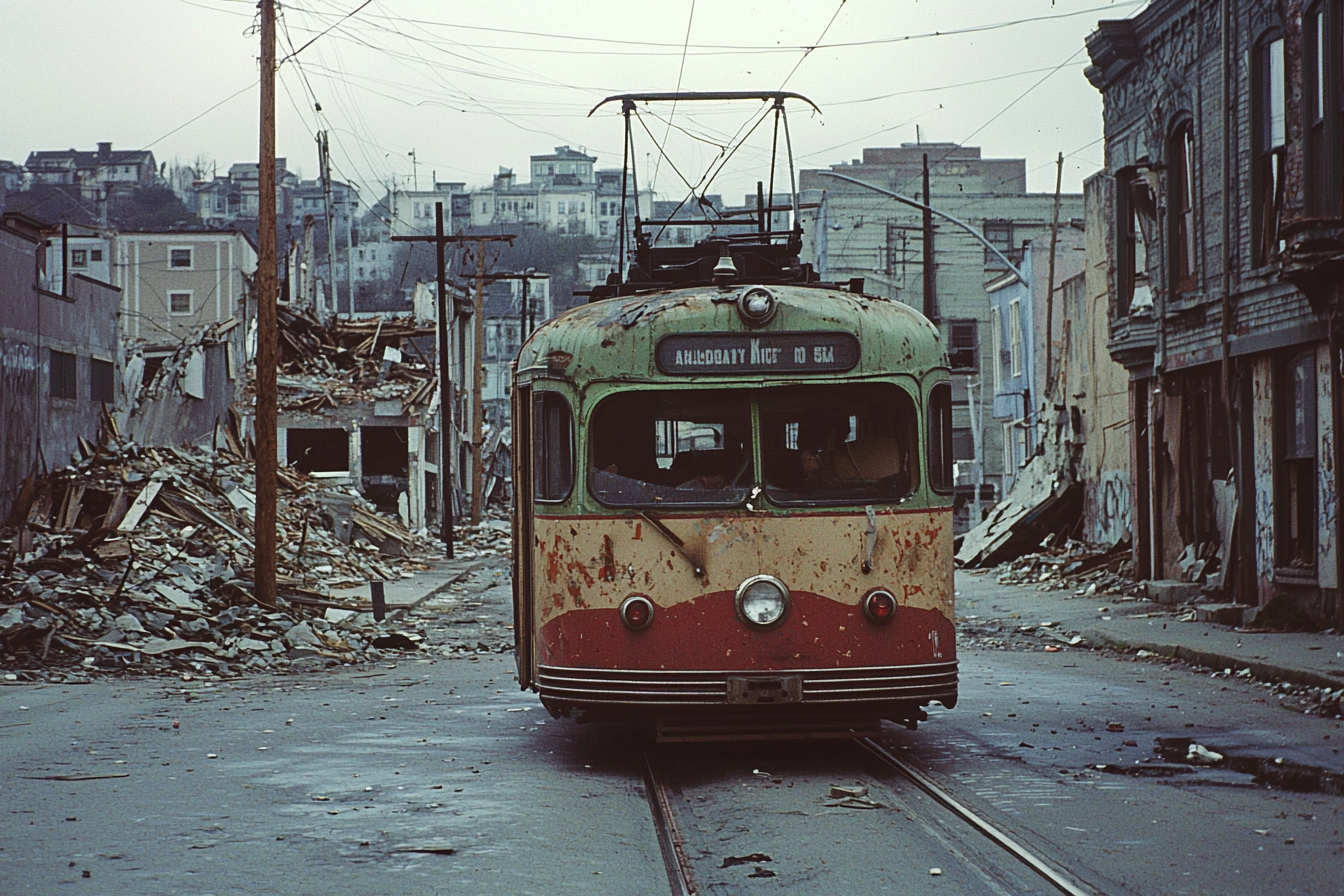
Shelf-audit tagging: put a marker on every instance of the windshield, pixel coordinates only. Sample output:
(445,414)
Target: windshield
(661,449)
(842,444)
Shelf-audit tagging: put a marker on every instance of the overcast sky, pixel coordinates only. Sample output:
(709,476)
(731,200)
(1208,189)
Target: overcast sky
(470,87)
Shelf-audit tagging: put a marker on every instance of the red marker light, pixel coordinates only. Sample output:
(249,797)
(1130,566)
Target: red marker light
(879,606)
(637,612)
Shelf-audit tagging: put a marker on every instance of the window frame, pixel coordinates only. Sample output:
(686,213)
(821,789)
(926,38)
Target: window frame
(1296,473)
(966,325)
(1323,108)
(191,302)
(79,258)
(545,438)
(191,258)
(1015,337)
(939,458)
(1267,157)
(996,343)
(1183,206)
(102,390)
(62,378)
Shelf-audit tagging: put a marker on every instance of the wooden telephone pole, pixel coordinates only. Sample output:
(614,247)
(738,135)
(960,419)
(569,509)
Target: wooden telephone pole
(264,561)
(447,432)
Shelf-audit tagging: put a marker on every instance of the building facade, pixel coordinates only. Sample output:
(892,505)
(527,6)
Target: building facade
(60,359)
(1225,244)
(852,232)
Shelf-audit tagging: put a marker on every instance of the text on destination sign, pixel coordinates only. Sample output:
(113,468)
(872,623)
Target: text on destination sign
(739,353)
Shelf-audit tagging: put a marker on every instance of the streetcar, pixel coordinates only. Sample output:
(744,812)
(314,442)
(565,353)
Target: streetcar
(733,494)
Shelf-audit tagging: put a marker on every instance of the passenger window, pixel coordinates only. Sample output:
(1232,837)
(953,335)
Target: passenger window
(666,448)
(832,445)
(940,438)
(552,447)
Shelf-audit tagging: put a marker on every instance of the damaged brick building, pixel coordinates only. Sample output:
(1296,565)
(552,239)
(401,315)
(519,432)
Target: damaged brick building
(1225,237)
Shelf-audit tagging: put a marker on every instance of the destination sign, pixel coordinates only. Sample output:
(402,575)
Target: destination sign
(724,354)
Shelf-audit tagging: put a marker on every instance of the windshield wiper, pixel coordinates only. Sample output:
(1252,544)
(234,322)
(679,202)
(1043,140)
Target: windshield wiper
(671,536)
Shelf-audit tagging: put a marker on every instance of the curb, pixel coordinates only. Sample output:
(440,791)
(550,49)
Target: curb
(1260,669)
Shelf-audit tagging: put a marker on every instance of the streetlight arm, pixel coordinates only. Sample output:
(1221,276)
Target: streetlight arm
(917,204)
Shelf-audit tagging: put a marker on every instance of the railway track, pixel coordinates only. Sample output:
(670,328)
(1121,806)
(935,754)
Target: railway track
(687,849)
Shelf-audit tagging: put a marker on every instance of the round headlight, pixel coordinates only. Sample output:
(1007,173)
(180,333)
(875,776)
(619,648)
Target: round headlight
(637,612)
(762,601)
(757,306)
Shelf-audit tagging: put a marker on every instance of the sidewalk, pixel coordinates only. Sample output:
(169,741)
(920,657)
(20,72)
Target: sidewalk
(406,594)
(1132,624)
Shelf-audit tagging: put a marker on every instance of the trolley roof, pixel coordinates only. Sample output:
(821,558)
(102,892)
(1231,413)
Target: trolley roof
(616,339)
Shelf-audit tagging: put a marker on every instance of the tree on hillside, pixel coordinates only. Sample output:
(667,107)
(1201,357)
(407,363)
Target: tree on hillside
(149,208)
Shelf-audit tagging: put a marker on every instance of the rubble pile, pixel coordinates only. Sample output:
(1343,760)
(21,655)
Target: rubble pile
(1073,566)
(352,360)
(143,557)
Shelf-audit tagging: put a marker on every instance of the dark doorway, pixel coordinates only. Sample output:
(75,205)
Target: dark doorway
(386,464)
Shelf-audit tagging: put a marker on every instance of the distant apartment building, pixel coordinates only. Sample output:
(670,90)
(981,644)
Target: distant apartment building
(175,282)
(565,195)
(236,196)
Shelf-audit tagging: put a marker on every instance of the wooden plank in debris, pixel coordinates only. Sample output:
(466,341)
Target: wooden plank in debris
(140,506)
(74,503)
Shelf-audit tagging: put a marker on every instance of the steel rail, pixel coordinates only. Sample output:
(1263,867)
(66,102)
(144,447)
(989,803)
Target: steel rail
(1017,850)
(680,875)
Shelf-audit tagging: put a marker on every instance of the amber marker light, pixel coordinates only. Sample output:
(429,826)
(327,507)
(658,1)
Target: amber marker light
(879,605)
(637,612)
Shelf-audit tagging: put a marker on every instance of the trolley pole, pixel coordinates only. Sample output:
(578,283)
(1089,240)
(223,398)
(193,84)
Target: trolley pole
(264,559)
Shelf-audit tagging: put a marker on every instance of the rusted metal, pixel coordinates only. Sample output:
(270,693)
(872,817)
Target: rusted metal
(680,872)
(1017,850)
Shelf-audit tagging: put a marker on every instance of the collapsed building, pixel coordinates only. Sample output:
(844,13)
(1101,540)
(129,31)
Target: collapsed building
(1224,131)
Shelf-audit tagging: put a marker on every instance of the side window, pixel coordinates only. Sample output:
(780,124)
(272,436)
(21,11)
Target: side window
(552,447)
(940,438)
(1270,140)
(1181,196)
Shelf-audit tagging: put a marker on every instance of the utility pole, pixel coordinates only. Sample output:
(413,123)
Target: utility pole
(930,274)
(324,151)
(264,563)
(1050,289)
(447,432)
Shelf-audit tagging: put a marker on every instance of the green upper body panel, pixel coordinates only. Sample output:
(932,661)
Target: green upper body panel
(615,339)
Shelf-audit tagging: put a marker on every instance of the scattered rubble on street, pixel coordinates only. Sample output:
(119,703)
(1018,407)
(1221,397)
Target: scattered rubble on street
(141,559)
(1073,566)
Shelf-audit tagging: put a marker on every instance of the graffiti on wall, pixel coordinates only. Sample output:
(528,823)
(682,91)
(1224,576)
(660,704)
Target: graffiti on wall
(1109,520)
(1327,498)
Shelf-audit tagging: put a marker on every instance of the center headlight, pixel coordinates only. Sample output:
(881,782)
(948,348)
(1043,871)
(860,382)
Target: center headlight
(762,601)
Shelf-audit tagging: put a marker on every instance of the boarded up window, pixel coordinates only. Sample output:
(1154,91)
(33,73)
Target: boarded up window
(63,376)
(100,381)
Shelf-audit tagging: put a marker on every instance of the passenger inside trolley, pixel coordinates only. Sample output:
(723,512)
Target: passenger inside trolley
(838,444)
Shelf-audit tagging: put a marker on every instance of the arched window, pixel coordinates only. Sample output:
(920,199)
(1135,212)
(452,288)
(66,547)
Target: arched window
(1181,197)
